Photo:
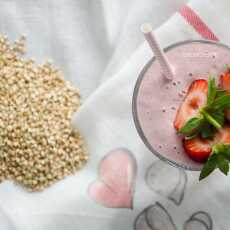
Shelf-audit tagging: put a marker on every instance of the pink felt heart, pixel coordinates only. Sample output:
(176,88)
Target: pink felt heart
(115,186)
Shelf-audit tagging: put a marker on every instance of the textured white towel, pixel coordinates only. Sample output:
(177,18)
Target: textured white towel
(106,75)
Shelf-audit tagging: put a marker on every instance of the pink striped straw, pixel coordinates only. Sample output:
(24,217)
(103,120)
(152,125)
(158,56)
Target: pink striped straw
(167,69)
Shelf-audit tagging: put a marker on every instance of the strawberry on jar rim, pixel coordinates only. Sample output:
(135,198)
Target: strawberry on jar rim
(225,84)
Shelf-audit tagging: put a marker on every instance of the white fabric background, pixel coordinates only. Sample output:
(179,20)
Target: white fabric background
(93,41)
(89,39)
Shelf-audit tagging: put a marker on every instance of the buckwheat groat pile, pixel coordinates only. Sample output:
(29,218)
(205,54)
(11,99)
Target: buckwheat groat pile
(37,144)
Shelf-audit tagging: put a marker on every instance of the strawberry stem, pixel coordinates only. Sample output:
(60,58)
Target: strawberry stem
(215,149)
(210,119)
(219,148)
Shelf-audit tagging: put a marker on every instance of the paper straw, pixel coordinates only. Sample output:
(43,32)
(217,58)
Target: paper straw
(167,69)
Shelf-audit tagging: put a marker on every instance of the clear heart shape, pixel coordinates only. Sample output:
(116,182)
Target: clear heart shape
(174,189)
(199,221)
(154,217)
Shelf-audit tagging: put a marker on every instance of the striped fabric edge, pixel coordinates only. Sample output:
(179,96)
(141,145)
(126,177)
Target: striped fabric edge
(197,23)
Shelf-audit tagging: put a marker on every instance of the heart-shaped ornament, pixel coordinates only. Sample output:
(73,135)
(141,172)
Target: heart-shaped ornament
(114,187)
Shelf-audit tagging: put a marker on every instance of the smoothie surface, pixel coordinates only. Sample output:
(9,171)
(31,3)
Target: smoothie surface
(157,99)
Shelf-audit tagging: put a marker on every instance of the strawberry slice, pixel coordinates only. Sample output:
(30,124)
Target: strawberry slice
(227,114)
(195,99)
(225,84)
(198,148)
(225,81)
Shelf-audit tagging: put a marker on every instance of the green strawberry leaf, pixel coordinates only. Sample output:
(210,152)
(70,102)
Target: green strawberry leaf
(211,90)
(222,102)
(226,156)
(218,148)
(220,93)
(210,119)
(209,166)
(222,164)
(219,159)
(191,125)
(219,116)
(224,149)
(206,130)
(191,136)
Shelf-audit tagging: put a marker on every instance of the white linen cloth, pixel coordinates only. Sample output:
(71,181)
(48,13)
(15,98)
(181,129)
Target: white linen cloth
(98,45)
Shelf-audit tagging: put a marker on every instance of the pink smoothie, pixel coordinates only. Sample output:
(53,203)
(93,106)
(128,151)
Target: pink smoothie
(156,100)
